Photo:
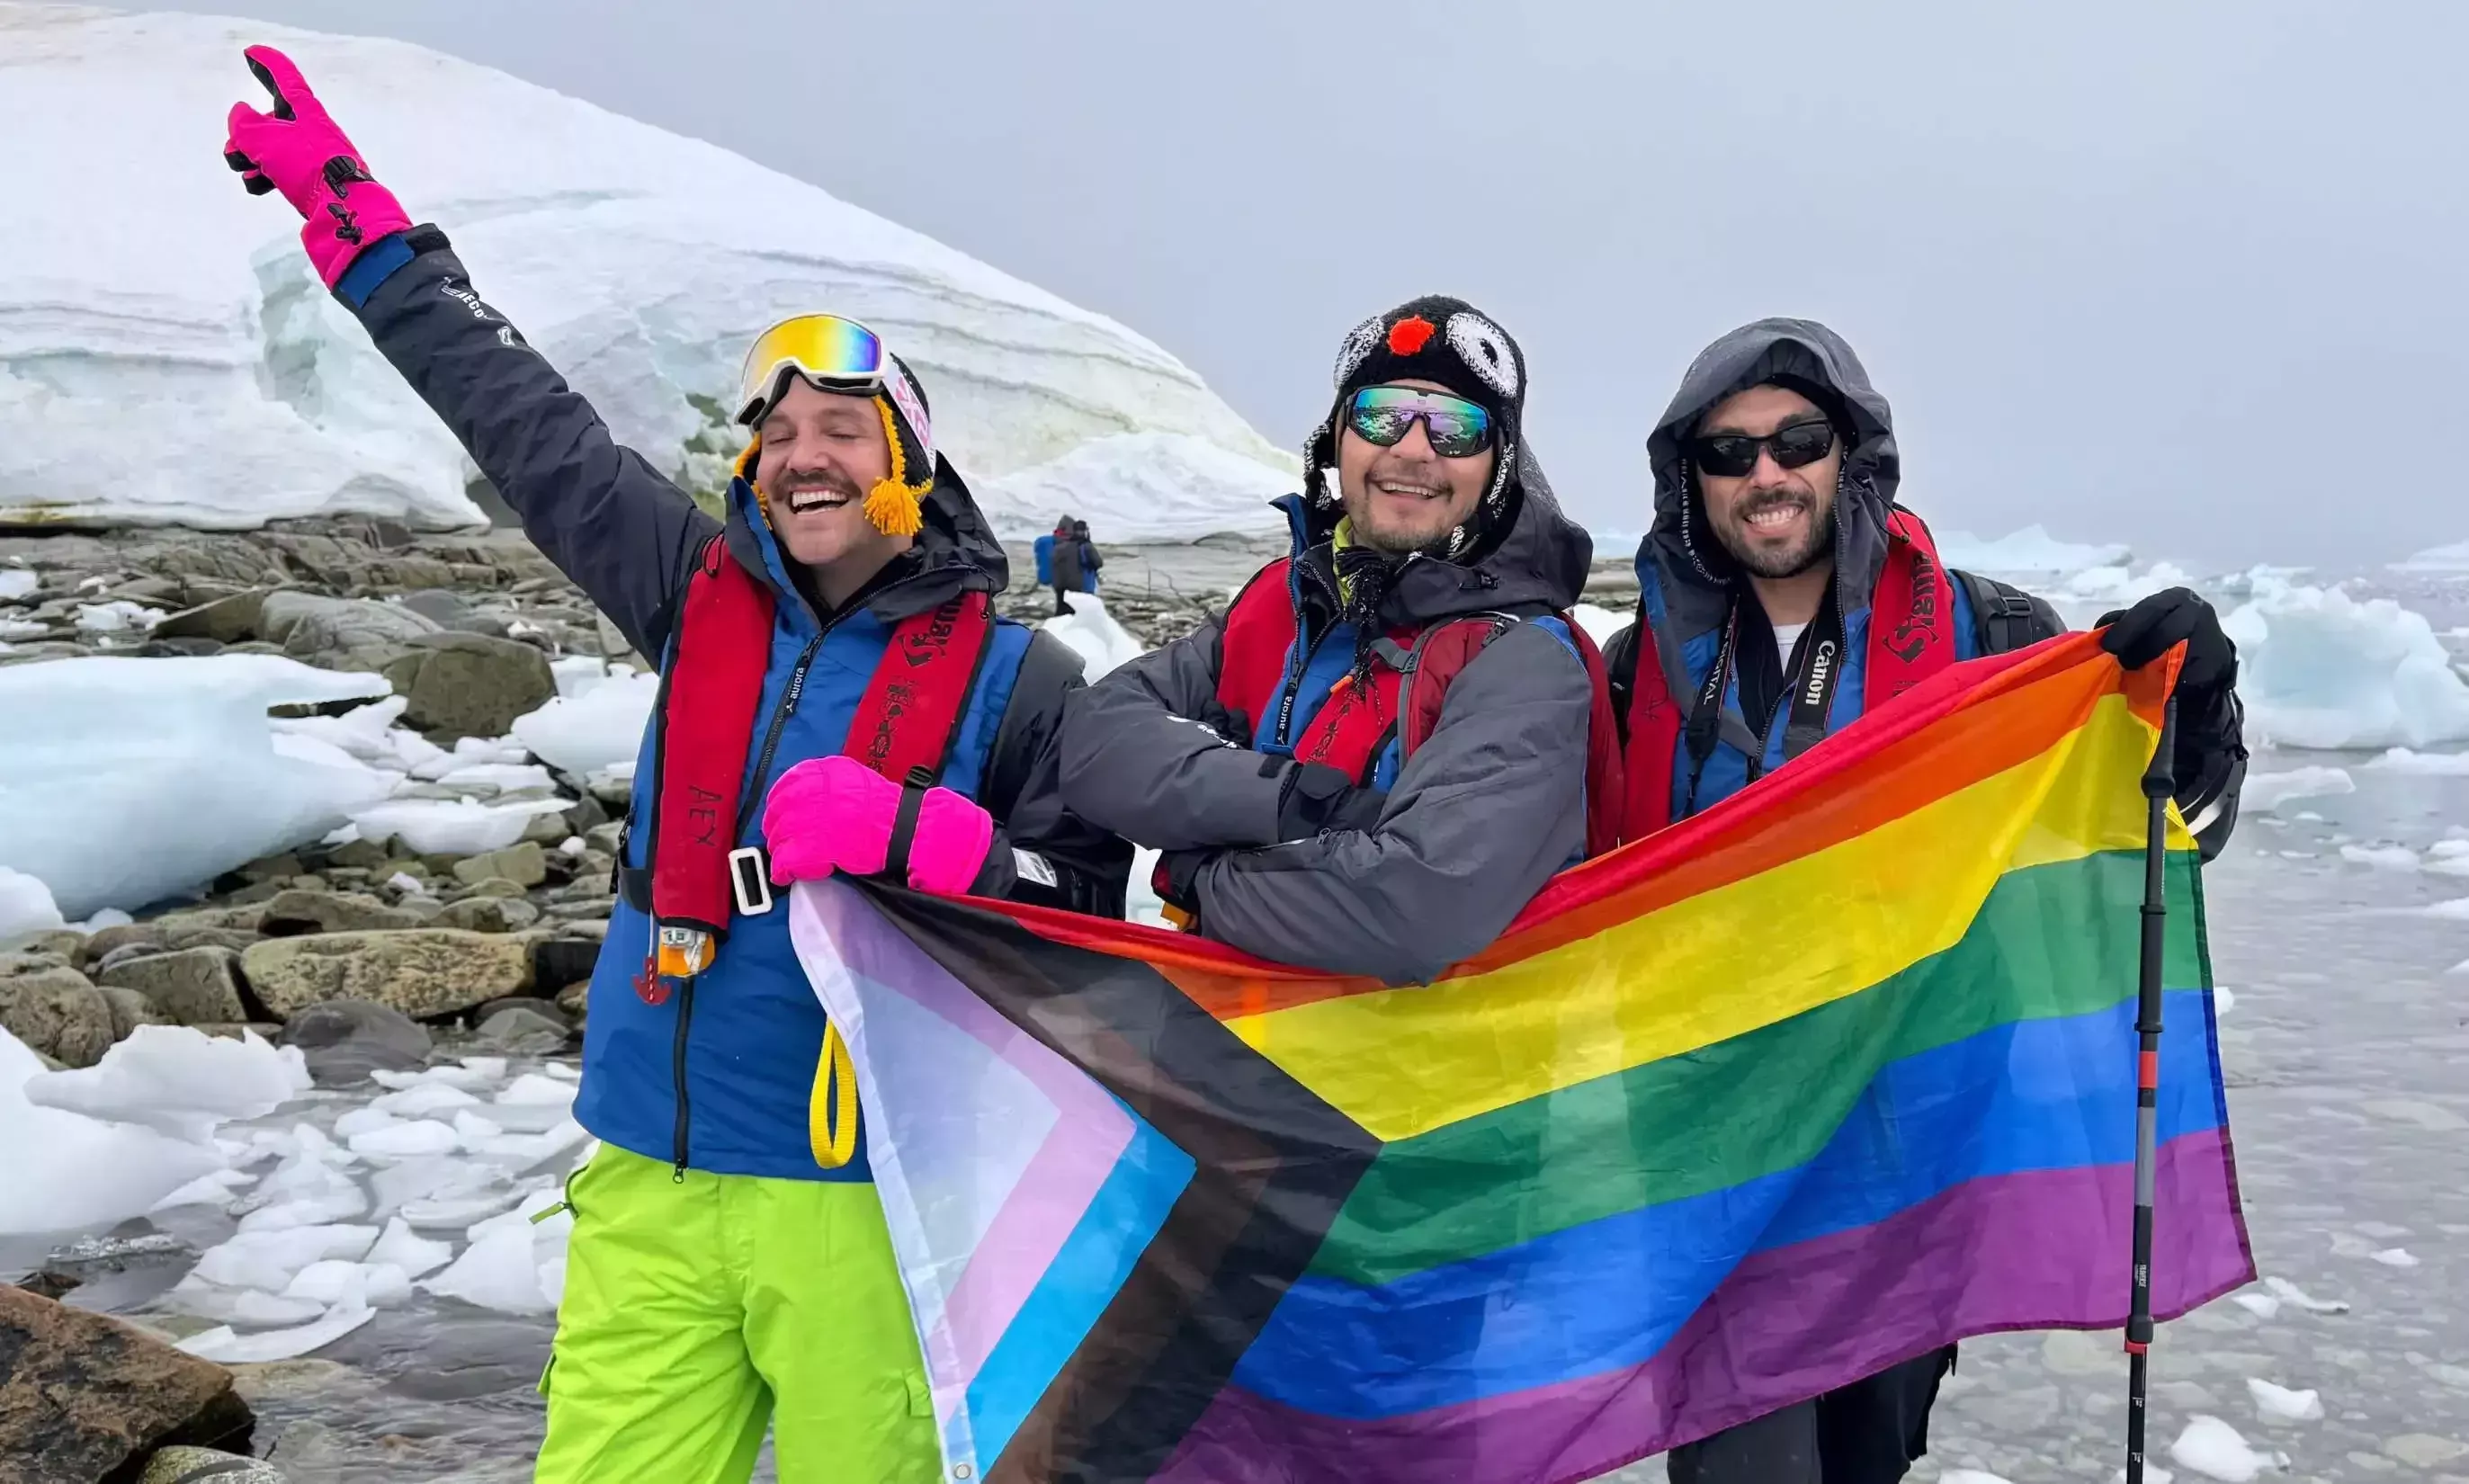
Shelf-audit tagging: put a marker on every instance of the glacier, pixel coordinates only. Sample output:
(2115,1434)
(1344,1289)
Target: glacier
(197,373)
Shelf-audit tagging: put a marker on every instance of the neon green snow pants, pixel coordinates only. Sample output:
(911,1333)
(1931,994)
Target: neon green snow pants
(695,1314)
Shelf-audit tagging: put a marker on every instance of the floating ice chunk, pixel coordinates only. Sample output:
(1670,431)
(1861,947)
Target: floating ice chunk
(1600,623)
(576,674)
(1092,633)
(454,1213)
(214,1187)
(2224,999)
(270,1259)
(2380,857)
(148,777)
(488,1068)
(417,1256)
(68,1172)
(19,583)
(2291,1293)
(421,1101)
(2152,1473)
(26,906)
(2454,558)
(367,1120)
(404,1139)
(2269,791)
(220,1344)
(378,1285)
(2031,552)
(572,845)
(2213,1448)
(173,1078)
(522,1151)
(504,778)
(501,1271)
(2393,1257)
(474,1129)
(560,1069)
(474,1075)
(2262,1306)
(1971,1477)
(2401,760)
(191,1295)
(2319,668)
(451,827)
(2456,910)
(339,1201)
(2280,1405)
(597,728)
(533,1087)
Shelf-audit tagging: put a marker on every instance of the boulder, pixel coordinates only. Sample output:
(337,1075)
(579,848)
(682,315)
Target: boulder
(496,886)
(226,620)
(489,914)
(272,868)
(574,998)
(418,971)
(563,959)
(67,945)
(443,607)
(295,911)
(360,855)
(546,830)
(192,987)
(603,838)
(533,1029)
(53,1009)
(339,634)
(130,1009)
(83,1395)
(526,865)
(344,1040)
(470,684)
(176,648)
(587,816)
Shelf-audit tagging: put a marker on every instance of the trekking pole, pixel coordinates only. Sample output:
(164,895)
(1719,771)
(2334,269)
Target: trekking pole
(2158,786)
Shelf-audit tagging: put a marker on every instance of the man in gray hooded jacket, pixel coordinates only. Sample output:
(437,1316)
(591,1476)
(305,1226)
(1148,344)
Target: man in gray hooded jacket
(1782,592)
(1309,812)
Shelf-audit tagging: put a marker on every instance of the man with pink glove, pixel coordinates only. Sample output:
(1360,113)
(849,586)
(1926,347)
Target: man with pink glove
(830,642)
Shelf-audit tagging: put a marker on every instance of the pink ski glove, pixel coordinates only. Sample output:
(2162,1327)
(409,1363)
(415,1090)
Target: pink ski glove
(300,152)
(829,814)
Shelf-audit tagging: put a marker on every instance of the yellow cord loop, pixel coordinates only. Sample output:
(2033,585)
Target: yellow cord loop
(831,1113)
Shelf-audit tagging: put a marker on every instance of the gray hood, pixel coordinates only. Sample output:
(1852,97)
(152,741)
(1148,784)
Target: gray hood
(1696,574)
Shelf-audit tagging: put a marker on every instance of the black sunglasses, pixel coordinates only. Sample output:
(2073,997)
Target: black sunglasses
(1731,456)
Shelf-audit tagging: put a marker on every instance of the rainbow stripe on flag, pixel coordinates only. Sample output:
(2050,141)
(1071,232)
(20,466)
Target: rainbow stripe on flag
(1835,1074)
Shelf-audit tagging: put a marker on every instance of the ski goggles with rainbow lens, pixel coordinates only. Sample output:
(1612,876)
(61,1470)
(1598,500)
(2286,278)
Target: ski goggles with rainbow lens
(834,353)
(1458,429)
(1734,456)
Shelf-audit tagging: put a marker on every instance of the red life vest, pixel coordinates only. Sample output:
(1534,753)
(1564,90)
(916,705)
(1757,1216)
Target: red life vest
(1911,637)
(1410,675)
(904,723)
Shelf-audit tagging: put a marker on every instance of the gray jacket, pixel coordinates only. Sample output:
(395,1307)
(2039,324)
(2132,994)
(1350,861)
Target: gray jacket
(1483,813)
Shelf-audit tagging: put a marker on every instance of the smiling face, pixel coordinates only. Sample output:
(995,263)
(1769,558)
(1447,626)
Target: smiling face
(821,453)
(1406,498)
(1775,522)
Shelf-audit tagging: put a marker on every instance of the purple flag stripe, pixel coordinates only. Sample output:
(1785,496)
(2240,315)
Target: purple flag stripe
(2046,1249)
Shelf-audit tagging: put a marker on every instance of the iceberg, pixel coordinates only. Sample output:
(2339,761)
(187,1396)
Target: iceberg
(2025,555)
(71,1173)
(2319,668)
(2437,560)
(642,268)
(149,777)
(596,728)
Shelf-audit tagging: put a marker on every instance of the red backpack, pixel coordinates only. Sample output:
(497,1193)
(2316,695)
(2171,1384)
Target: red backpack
(1411,674)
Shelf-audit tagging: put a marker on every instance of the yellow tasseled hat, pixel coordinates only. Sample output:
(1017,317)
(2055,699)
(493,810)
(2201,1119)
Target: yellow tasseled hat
(896,504)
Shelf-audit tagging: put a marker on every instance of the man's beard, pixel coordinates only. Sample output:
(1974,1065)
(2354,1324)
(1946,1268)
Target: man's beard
(1789,562)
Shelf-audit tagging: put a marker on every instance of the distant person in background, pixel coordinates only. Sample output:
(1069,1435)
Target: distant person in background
(1045,549)
(1090,560)
(1069,574)
(1782,592)
(730,1270)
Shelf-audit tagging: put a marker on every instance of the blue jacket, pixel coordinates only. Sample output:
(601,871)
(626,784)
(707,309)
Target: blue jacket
(720,1076)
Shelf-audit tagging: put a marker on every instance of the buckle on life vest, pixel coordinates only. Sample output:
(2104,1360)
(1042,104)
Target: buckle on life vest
(681,952)
(749,878)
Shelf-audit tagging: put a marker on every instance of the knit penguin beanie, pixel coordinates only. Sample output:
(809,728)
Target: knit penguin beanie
(1444,341)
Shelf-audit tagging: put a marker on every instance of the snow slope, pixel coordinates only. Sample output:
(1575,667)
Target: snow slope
(187,367)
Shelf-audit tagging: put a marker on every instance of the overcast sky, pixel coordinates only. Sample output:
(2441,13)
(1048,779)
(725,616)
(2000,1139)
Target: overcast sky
(2186,276)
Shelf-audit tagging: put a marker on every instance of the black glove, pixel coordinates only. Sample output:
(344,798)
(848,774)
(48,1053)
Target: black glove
(2139,635)
(1316,797)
